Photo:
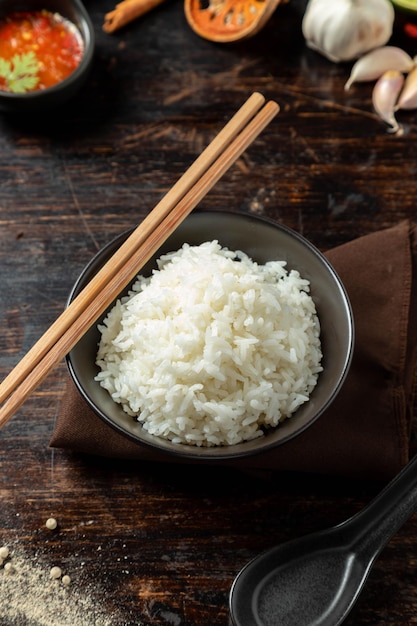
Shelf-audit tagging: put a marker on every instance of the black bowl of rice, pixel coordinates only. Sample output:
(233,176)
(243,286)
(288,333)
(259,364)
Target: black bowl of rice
(233,339)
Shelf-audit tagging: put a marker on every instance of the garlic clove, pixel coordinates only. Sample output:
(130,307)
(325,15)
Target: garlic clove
(385,95)
(375,63)
(408,96)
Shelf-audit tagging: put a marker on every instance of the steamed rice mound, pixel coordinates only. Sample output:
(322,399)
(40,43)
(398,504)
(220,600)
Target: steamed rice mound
(213,348)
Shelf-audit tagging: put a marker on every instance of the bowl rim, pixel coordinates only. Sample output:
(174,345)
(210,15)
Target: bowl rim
(242,449)
(88,35)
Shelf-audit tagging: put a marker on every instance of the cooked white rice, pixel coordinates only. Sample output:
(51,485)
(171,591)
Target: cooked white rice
(213,348)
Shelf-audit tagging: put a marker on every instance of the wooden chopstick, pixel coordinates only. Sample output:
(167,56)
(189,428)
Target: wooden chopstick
(72,324)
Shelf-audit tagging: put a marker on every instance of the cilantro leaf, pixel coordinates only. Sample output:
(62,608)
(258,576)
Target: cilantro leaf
(19,74)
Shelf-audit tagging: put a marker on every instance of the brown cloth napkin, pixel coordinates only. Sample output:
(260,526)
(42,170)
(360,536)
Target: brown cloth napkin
(367,430)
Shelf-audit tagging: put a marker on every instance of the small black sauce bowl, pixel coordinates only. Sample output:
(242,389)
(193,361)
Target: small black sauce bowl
(263,240)
(44,99)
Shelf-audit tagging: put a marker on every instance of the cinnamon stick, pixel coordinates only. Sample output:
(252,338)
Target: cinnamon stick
(127,11)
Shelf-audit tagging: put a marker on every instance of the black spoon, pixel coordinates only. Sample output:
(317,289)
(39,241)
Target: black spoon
(316,580)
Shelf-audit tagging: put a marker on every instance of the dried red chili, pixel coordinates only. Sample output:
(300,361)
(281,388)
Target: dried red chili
(55,41)
(411,30)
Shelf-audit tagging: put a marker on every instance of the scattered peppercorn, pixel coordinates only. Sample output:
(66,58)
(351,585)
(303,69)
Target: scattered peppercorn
(51,523)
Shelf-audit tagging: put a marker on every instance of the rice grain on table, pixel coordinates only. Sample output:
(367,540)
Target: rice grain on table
(212,348)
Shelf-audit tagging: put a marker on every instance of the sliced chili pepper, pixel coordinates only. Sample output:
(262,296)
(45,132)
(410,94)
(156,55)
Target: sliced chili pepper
(411,30)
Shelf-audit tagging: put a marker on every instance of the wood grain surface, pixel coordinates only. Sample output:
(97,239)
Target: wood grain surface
(157,545)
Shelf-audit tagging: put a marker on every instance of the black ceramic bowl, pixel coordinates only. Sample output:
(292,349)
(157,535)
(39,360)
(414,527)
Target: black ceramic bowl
(262,240)
(45,99)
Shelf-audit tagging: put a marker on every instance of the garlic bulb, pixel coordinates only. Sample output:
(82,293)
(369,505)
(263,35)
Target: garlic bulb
(343,30)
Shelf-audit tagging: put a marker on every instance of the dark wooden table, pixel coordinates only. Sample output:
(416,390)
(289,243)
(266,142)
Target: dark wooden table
(148,544)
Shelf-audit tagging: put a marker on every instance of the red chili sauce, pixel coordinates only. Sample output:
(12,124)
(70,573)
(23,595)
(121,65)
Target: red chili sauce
(55,41)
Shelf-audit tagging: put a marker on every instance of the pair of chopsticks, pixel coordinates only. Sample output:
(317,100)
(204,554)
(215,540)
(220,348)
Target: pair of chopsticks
(141,245)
